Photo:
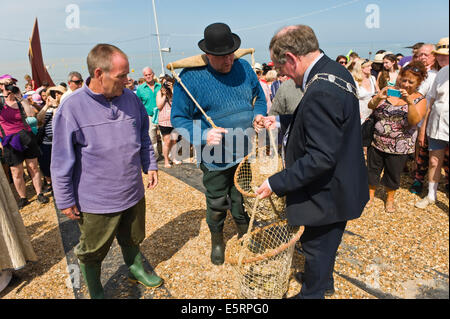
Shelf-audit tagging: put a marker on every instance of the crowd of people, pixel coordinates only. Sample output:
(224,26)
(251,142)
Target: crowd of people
(400,135)
(63,134)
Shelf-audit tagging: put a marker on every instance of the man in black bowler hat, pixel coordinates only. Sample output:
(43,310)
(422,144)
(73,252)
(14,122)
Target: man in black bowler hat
(225,88)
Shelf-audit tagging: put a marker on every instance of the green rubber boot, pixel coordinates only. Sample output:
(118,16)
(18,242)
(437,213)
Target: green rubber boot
(133,259)
(217,248)
(91,274)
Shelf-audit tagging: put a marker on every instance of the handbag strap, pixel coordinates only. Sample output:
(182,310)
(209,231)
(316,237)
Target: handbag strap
(21,110)
(23,115)
(2,105)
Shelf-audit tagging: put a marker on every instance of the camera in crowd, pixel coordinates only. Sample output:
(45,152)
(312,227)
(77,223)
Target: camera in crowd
(12,88)
(53,94)
(165,82)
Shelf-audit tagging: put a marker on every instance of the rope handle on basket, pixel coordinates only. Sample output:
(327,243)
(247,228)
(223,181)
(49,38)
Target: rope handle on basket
(271,139)
(255,205)
(250,225)
(272,142)
(272,252)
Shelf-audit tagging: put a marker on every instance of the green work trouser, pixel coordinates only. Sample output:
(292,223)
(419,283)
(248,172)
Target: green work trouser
(219,185)
(98,232)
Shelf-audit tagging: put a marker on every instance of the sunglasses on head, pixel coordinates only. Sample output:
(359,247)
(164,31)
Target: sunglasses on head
(411,68)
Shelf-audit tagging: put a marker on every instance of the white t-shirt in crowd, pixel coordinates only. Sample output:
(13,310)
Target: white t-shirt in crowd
(437,125)
(66,94)
(364,98)
(425,87)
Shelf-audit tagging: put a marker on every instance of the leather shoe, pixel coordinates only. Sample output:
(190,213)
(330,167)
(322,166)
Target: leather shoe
(300,277)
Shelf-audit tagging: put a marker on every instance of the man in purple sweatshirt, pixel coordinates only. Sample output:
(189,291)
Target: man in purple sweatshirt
(100,148)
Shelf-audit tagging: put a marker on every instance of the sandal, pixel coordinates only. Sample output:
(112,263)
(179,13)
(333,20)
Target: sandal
(176,162)
(390,207)
(167,165)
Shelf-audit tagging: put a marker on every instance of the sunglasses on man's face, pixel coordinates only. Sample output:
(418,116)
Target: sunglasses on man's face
(77,82)
(343,62)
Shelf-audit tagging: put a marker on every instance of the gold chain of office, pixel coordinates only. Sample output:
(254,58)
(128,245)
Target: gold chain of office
(341,83)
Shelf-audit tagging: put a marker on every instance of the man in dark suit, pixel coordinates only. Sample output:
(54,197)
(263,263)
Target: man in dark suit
(325,179)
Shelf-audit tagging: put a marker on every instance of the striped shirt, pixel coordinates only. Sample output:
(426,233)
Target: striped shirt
(48,135)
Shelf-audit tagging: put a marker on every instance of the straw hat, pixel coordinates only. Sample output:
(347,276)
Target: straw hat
(378,58)
(442,47)
(59,88)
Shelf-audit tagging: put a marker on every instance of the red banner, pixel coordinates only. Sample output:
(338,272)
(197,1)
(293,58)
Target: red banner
(38,69)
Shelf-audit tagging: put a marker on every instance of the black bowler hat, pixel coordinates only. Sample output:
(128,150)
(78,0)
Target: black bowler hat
(218,40)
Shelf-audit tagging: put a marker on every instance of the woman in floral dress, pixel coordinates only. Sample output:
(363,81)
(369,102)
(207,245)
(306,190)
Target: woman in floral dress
(395,131)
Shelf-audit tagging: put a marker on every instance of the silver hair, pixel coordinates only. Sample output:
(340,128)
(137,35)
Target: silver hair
(72,74)
(147,67)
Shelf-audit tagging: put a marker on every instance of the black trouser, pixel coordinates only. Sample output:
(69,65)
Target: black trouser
(45,159)
(320,244)
(392,164)
(219,187)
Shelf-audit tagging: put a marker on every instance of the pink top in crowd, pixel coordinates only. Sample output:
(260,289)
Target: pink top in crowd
(11,121)
(164,115)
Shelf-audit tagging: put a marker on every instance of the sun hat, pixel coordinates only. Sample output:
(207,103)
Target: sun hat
(58,88)
(36,97)
(415,46)
(29,93)
(442,47)
(257,66)
(378,58)
(7,79)
(219,40)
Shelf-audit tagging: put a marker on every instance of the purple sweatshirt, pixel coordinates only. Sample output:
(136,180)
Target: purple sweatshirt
(99,148)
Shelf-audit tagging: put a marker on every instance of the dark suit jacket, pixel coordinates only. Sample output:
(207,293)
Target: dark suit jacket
(325,180)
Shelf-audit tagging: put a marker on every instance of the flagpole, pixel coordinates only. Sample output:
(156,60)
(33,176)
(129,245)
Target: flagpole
(157,36)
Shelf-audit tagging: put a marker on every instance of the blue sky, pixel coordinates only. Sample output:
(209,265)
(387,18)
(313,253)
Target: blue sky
(340,25)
